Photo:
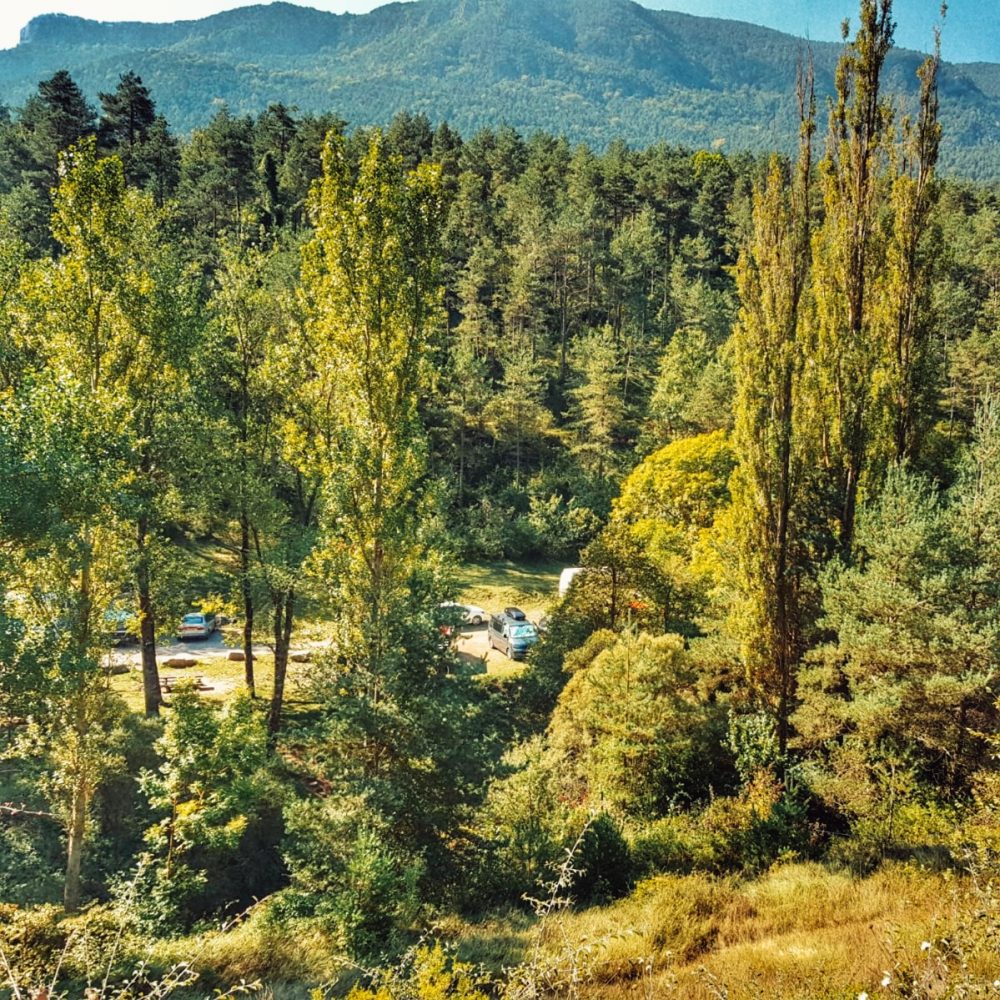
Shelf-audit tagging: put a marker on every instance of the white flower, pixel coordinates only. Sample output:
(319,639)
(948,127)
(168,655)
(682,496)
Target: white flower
(925,946)
(996,984)
(862,996)
(886,979)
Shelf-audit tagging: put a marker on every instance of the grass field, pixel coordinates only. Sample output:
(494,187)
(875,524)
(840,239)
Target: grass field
(495,585)
(798,932)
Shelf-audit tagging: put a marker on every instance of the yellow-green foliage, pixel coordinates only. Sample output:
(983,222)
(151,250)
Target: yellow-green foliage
(684,483)
(35,942)
(631,725)
(672,498)
(435,976)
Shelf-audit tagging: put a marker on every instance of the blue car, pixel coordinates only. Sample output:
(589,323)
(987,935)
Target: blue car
(512,633)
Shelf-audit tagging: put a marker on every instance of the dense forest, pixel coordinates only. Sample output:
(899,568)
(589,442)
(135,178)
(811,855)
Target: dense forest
(302,375)
(595,71)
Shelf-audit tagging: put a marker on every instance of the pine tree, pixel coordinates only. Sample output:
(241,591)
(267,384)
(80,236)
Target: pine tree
(127,115)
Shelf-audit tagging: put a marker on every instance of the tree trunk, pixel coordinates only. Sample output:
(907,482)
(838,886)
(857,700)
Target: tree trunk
(147,625)
(248,608)
(284,607)
(74,851)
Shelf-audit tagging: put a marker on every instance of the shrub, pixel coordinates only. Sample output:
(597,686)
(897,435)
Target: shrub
(41,946)
(429,974)
(364,892)
(603,863)
(32,942)
(521,825)
(666,845)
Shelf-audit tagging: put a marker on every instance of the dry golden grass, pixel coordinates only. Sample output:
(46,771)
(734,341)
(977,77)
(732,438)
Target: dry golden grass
(257,950)
(800,932)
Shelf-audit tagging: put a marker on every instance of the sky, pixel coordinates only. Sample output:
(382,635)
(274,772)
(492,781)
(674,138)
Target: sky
(972,29)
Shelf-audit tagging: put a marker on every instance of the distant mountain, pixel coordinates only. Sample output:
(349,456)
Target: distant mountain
(970,32)
(593,70)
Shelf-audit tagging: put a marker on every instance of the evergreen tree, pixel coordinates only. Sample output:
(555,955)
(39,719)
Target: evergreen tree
(127,116)
(598,410)
(50,122)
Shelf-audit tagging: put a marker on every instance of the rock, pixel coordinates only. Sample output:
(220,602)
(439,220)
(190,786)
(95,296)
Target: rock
(180,661)
(236,656)
(301,657)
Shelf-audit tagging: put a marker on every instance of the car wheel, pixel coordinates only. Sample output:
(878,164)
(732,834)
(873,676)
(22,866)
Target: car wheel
(477,619)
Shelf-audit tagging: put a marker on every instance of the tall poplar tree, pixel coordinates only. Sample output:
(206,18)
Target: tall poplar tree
(373,304)
(767,347)
(872,385)
(110,321)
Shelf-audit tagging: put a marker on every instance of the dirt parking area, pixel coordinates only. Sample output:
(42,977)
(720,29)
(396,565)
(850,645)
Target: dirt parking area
(474,647)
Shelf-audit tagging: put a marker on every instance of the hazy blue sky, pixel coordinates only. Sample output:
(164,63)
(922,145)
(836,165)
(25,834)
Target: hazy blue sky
(972,31)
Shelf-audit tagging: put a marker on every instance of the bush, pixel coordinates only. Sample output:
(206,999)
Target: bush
(666,845)
(520,827)
(33,940)
(42,945)
(29,865)
(603,862)
(746,832)
(432,974)
(363,892)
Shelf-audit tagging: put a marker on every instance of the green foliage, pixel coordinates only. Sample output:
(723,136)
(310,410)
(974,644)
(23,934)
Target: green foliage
(213,798)
(911,668)
(346,874)
(603,863)
(745,832)
(634,731)
(521,830)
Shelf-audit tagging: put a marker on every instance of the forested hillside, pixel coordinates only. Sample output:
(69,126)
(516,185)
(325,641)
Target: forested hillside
(303,383)
(592,70)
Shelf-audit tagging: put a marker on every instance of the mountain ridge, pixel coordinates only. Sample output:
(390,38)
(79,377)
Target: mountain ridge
(591,70)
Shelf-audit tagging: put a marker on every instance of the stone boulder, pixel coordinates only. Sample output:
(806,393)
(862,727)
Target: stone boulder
(180,662)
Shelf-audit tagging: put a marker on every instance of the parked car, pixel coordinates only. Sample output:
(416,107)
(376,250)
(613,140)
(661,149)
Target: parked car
(197,625)
(121,624)
(468,614)
(512,633)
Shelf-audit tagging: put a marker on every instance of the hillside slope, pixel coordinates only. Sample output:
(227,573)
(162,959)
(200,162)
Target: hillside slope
(592,69)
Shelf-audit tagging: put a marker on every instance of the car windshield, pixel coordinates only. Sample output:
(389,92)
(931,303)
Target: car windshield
(526,631)
(194,619)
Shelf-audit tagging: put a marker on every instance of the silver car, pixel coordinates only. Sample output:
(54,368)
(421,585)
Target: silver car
(197,626)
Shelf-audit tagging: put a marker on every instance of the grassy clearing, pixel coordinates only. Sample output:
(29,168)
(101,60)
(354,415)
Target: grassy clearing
(800,932)
(222,678)
(494,585)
